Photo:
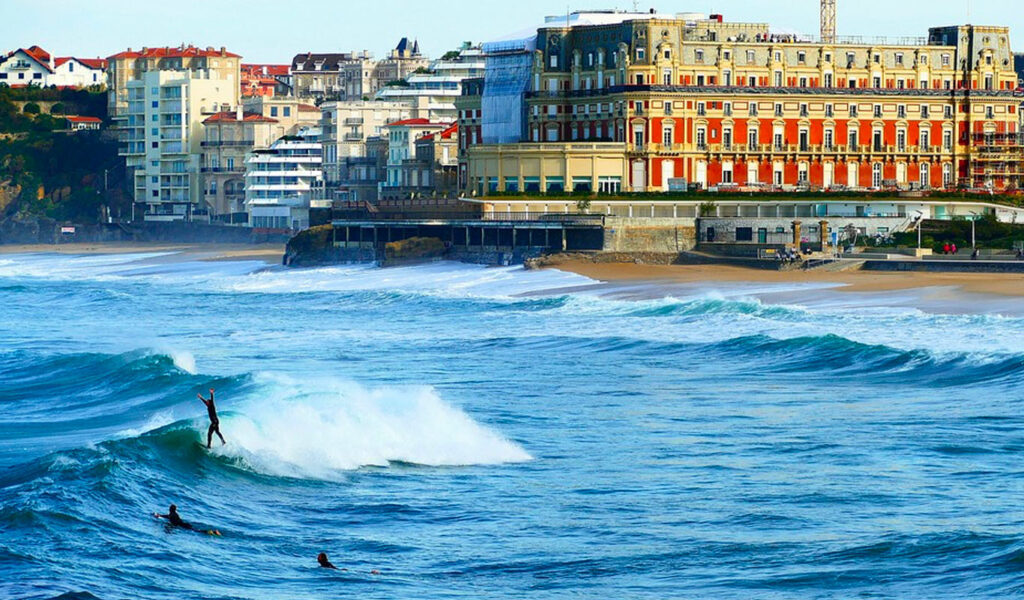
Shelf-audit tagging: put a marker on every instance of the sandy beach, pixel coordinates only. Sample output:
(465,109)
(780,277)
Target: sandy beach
(269,253)
(851,281)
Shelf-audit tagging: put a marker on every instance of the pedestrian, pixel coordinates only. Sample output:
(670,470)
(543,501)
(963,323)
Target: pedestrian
(953,248)
(945,248)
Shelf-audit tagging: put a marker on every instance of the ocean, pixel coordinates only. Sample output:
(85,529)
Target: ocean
(455,431)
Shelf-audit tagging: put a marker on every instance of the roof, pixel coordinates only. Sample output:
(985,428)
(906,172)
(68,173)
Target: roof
(78,119)
(177,52)
(446,134)
(328,62)
(271,70)
(42,57)
(308,108)
(416,122)
(232,116)
(92,63)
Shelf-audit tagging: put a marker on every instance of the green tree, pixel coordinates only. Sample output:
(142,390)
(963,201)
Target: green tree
(31,108)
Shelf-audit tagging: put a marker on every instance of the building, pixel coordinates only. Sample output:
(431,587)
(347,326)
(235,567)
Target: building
(281,182)
(350,172)
(132,65)
(693,99)
(79,123)
(434,169)
(35,66)
(401,181)
(229,136)
(352,75)
(162,132)
(433,90)
(265,80)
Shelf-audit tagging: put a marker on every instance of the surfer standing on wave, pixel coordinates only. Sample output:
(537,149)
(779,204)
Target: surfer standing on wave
(214,421)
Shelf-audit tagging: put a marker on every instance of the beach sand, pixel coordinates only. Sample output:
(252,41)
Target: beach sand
(268,253)
(1001,284)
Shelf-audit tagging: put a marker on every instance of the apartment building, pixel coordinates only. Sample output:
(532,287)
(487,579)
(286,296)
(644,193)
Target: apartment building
(693,99)
(162,131)
(348,167)
(401,181)
(433,171)
(281,182)
(132,65)
(433,90)
(229,136)
(265,80)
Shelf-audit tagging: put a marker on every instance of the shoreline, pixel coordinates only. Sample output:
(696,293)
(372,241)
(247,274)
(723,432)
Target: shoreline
(268,253)
(998,284)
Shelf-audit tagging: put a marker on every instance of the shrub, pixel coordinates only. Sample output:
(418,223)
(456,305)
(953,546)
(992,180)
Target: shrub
(31,108)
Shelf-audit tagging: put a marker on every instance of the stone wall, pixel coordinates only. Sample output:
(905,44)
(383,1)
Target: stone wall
(649,235)
(35,230)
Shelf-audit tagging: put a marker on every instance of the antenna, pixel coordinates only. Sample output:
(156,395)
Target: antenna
(636,6)
(828,21)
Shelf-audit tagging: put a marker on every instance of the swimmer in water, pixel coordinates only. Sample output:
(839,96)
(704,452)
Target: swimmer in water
(211,408)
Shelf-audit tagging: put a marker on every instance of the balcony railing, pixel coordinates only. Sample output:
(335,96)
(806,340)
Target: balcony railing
(354,121)
(228,144)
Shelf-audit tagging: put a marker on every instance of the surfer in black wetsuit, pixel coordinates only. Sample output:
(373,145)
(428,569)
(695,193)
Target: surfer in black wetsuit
(175,520)
(324,562)
(214,421)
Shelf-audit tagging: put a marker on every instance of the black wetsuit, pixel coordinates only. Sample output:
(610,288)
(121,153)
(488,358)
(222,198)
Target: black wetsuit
(214,422)
(175,519)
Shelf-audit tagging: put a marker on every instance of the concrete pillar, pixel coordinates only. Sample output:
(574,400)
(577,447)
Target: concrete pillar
(823,231)
(796,233)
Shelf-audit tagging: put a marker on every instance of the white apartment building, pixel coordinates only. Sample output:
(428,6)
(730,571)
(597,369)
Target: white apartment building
(402,136)
(161,135)
(281,181)
(433,93)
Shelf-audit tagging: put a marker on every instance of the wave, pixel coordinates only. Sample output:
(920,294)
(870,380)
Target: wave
(318,429)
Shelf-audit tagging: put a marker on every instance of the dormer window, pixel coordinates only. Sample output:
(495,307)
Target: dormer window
(801,57)
(899,59)
(700,56)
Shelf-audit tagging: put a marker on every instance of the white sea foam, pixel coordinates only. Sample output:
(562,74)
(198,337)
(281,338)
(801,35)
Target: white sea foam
(158,420)
(184,361)
(321,428)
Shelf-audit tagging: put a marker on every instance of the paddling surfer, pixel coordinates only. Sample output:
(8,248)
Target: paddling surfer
(211,408)
(175,520)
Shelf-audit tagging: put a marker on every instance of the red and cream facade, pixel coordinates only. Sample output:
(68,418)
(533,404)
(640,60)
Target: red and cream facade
(729,104)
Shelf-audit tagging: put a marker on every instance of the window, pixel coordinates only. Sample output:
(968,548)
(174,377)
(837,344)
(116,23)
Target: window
(801,57)
(850,58)
(751,57)
(924,111)
(753,109)
(990,112)
(828,80)
(700,80)
(901,140)
(925,139)
(156,103)
(876,82)
(727,109)
(752,138)
(700,56)
(803,82)
(803,110)
(778,78)
(852,141)
(668,108)
(727,139)
(899,59)
(666,136)
(828,57)
(853,110)
(779,144)
(947,112)
(287,111)
(37,76)
(876,175)
(667,77)
(727,55)
(668,54)
(273,111)
(877,59)
(945,60)
(702,141)
(553,61)
(829,139)
(947,140)
(778,109)
(3,75)
(878,111)
(701,109)
(640,54)
(901,111)
(829,111)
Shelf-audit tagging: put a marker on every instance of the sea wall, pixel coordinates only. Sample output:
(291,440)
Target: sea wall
(38,230)
(937,266)
(649,235)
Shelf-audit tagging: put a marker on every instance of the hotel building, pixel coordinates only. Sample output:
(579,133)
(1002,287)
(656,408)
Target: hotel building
(640,102)
(281,181)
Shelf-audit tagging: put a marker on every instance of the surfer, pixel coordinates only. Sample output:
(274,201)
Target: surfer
(175,520)
(324,562)
(214,421)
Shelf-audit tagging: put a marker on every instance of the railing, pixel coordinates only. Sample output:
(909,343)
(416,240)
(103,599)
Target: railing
(225,144)
(222,170)
(516,217)
(354,121)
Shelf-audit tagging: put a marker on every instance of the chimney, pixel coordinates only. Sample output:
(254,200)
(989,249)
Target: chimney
(223,51)
(239,113)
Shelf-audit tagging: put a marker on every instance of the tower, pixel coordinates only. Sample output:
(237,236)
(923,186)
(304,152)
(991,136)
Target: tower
(828,21)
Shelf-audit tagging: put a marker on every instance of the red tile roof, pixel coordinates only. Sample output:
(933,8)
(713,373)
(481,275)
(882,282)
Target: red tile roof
(35,53)
(178,52)
(230,115)
(447,134)
(77,119)
(92,63)
(412,122)
(272,70)
(308,108)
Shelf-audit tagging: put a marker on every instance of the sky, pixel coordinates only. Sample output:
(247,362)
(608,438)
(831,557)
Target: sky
(274,31)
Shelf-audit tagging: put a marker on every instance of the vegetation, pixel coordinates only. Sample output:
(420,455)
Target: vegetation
(312,241)
(989,234)
(414,248)
(451,55)
(61,176)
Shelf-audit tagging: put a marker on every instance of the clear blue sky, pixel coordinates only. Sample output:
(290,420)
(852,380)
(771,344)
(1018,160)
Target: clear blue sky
(273,32)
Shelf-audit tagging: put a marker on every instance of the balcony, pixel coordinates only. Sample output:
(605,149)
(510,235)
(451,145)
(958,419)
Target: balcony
(228,144)
(353,137)
(223,170)
(354,121)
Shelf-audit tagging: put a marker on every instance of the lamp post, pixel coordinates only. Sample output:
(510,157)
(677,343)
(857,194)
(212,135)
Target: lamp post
(974,245)
(920,219)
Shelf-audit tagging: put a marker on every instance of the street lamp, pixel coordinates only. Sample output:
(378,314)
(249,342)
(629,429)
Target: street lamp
(920,220)
(974,245)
